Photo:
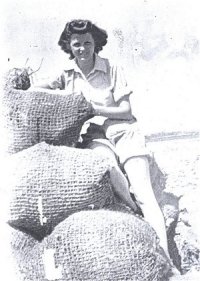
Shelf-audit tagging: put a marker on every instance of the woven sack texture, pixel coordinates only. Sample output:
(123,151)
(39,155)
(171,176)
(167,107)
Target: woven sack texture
(46,183)
(99,245)
(15,248)
(30,117)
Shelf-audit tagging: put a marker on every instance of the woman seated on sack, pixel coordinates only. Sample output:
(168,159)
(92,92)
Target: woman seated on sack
(114,130)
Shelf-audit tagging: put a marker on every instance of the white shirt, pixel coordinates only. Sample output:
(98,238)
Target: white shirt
(104,85)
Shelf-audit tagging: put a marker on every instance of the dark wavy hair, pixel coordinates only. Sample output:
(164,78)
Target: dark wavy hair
(80,27)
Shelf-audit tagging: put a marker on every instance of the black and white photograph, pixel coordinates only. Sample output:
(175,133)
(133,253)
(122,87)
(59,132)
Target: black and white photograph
(100,140)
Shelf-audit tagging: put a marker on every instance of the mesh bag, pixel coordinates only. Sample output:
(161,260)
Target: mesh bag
(30,117)
(99,245)
(15,249)
(46,183)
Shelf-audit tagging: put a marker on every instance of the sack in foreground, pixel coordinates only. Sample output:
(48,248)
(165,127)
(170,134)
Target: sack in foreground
(99,245)
(16,247)
(44,184)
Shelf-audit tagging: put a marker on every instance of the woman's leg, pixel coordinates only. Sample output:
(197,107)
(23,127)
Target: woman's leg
(137,169)
(118,179)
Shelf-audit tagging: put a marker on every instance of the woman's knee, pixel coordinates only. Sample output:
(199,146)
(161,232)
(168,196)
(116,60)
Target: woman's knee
(137,170)
(137,162)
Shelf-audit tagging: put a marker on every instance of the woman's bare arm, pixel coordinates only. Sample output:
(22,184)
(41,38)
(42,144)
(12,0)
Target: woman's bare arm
(42,86)
(122,110)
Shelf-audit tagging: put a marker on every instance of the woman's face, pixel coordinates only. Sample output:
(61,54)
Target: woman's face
(82,46)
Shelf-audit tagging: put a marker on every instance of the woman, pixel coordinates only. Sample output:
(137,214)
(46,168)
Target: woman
(113,131)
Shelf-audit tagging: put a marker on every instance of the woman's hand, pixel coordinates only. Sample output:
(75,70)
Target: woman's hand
(121,111)
(97,108)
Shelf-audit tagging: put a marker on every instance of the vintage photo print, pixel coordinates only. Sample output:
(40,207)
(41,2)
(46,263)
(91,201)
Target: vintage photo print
(100,140)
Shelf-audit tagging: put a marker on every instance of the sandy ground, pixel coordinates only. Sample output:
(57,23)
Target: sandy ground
(179,159)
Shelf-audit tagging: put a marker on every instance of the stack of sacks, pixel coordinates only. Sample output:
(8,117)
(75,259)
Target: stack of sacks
(30,117)
(48,189)
(97,245)
(47,183)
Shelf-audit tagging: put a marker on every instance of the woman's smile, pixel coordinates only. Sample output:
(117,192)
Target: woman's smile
(82,46)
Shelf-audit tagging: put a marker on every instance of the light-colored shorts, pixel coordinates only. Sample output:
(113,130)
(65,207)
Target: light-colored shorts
(124,139)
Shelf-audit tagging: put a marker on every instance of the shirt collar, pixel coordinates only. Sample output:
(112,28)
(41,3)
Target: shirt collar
(100,65)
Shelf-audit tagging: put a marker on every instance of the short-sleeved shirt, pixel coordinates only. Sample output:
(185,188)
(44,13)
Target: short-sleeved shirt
(104,85)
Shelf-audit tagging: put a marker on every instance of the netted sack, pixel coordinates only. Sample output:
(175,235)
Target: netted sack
(30,117)
(15,248)
(46,183)
(100,245)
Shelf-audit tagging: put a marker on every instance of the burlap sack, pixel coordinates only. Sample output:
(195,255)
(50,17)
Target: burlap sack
(46,183)
(16,247)
(99,245)
(30,117)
